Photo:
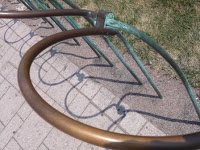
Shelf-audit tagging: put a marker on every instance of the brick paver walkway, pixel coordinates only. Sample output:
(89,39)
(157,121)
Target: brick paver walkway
(65,87)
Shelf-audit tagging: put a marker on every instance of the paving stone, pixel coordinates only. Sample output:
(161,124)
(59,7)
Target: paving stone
(78,105)
(18,46)
(1,79)
(34,40)
(23,48)
(7,20)
(93,117)
(32,132)
(87,146)
(114,113)
(21,7)
(46,97)
(43,86)
(47,53)
(103,98)
(117,112)
(63,93)
(50,56)
(8,55)
(4,86)
(21,29)
(61,63)
(18,43)
(68,69)
(3,27)
(9,131)
(1,127)
(12,145)
(90,88)
(12,78)
(11,36)
(10,104)
(58,108)
(118,130)
(78,78)
(4,47)
(48,79)
(2,23)
(15,60)
(42,147)
(64,111)
(24,111)
(2,35)
(36,73)
(28,37)
(1,57)
(6,69)
(15,42)
(15,25)
(58,140)
(151,130)
(44,65)
(132,123)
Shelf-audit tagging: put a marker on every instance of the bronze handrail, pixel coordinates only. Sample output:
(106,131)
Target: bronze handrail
(72,127)
(79,130)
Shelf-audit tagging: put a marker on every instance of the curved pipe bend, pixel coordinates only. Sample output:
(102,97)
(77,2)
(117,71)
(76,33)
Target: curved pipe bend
(79,130)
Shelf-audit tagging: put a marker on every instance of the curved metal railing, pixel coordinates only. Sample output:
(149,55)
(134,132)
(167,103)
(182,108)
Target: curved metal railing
(77,129)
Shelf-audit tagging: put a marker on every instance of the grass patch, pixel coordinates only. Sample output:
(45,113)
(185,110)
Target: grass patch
(174,24)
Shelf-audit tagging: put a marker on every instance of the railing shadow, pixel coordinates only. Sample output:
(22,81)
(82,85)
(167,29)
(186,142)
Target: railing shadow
(120,109)
(26,38)
(118,105)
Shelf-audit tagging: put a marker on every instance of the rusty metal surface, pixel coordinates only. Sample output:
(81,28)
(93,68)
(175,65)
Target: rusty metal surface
(79,130)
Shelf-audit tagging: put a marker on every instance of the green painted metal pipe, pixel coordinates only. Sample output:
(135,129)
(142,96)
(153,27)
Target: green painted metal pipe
(129,48)
(73,5)
(32,7)
(139,63)
(118,54)
(72,22)
(55,20)
(117,25)
(75,25)
(115,50)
